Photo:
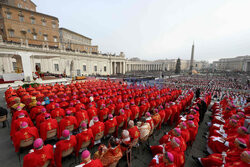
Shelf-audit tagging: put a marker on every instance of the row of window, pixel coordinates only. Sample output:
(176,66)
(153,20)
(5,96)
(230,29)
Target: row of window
(32,20)
(56,67)
(45,37)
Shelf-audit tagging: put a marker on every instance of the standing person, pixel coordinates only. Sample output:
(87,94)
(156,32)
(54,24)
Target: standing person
(197,93)
(3,112)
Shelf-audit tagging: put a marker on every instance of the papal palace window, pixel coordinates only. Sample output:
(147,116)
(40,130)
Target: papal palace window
(33,21)
(8,15)
(11,33)
(53,25)
(84,68)
(105,69)
(14,66)
(44,23)
(56,67)
(21,18)
(55,39)
(45,37)
(95,68)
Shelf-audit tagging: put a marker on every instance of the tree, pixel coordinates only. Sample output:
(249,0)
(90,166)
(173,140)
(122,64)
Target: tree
(178,66)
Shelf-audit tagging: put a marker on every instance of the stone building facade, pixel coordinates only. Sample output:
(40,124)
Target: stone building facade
(27,27)
(24,4)
(136,64)
(74,41)
(237,64)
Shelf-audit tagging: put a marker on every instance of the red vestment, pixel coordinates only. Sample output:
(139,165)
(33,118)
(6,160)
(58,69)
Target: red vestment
(61,146)
(51,106)
(64,104)
(82,116)
(122,118)
(72,109)
(135,112)
(24,134)
(16,114)
(46,126)
(109,124)
(93,163)
(15,126)
(84,136)
(143,110)
(168,113)
(40,157)
(66,121)
(157,120)
(57,112)
(92,112)
(97,128)
(39,119)
(35,111)
(216,158)
(134,132)
(103,113)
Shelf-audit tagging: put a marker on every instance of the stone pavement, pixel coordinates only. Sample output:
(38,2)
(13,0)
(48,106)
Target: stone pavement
(9,158)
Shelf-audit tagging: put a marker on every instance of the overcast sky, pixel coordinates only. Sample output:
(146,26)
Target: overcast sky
(158,29)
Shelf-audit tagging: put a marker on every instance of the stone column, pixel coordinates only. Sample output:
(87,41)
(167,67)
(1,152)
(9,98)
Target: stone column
(124,67)
(114,68)
(111,68)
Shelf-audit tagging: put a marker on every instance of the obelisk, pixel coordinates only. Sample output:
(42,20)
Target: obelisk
(192,60)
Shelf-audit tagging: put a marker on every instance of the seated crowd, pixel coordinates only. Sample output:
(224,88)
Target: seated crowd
(79,115)
(228,137)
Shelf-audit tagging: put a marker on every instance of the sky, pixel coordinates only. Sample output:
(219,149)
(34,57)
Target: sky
(158,29)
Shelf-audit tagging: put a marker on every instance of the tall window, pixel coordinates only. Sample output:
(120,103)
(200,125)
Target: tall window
(95,68)
(56,67)
(78,71)
(8,15)
(33,21)
(34,36)
(45,37)
(84,68)
(21,18)
(105,69)
(44,23)
(53,25)
(55,39)
(11,33)
(14,66)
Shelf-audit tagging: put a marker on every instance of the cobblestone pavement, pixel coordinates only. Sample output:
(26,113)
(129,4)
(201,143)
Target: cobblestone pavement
(9,158)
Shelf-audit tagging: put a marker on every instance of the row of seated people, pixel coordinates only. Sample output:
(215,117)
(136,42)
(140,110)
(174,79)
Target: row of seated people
(101,92)
(170,152)
(228,137)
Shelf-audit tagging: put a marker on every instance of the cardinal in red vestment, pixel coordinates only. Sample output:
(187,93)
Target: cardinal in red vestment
(58,113)
(88,162)
(40,155)
(66,122)
(15,126)
(48,125)
(86,135)
(25,133)
(67,143)
(111,123)
(98,127)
